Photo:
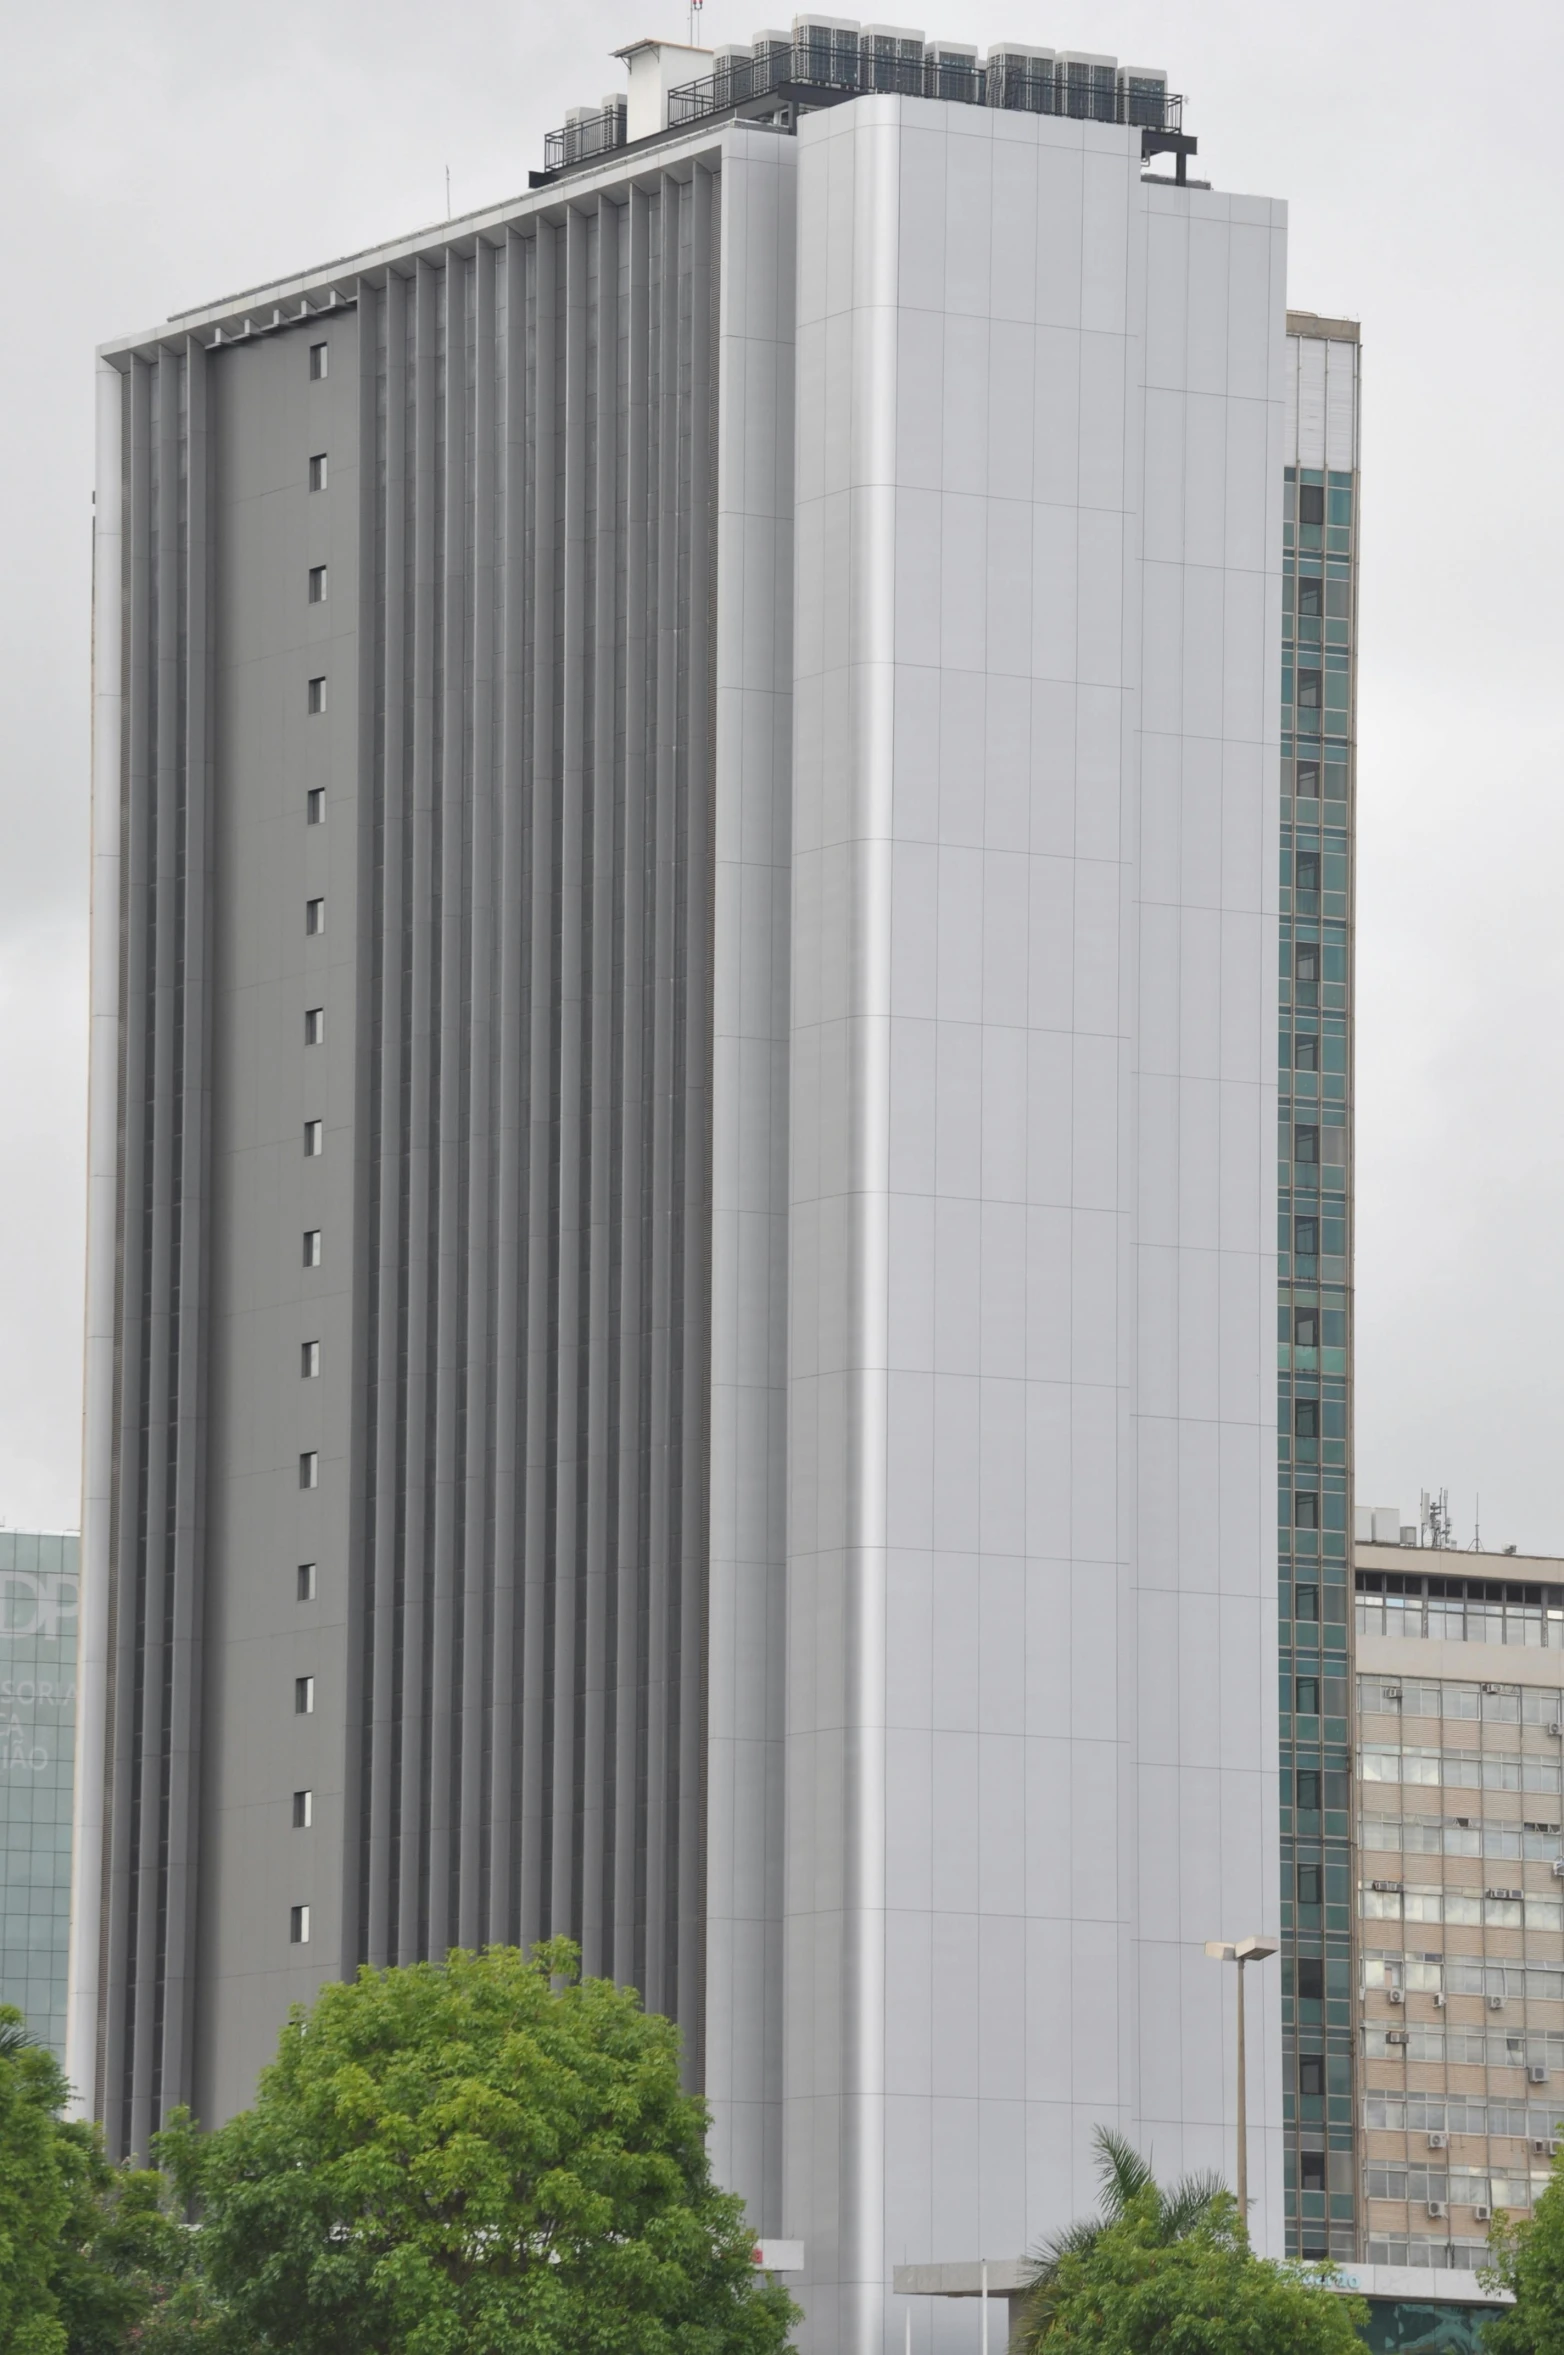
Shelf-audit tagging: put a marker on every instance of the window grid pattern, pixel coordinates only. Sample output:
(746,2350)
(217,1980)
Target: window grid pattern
(38,1596)
(1314,1403)
(1461,1966)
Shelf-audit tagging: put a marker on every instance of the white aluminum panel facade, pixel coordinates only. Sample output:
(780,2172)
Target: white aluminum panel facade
(1031,1556)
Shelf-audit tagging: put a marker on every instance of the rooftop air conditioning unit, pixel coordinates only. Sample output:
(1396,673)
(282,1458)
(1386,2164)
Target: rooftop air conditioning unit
(1143,95)
(1496,2003)
(1088,84)
(1020,78)
(1439,2142)
(1409,1533)
(1397,2036)
(1394,1995)
(1483,2213)
(1436,2207)
(1536,2074)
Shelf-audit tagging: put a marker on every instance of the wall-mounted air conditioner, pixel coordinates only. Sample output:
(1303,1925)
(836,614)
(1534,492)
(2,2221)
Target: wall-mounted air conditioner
(1536,2074)
(1439,2142)
(1394,1995)
(1483,2213)
(1436,2208)
(1496,2003)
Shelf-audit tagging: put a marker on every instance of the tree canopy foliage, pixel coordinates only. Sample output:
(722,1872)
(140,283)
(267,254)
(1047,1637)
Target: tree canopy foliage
(1528,2260)
(91,2260)
(1171,2273)
(480,2157)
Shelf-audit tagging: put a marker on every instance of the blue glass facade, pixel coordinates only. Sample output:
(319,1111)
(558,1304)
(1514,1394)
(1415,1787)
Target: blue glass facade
(38,1595)
(1314,1354)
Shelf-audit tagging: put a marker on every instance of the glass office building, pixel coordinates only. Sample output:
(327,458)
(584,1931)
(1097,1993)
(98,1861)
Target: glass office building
(38,1585)
(1314,1270)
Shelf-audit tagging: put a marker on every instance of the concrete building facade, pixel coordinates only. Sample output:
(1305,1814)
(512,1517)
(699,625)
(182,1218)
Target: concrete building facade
(682,1256)
(1460,1891)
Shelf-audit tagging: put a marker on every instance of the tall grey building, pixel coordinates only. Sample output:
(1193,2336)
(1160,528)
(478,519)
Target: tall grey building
(683,1240)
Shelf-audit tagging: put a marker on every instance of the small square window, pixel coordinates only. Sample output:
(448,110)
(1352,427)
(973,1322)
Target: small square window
(317,584)
(319,355)
(1309,1894)
(299,1925)
(1311,2065)
(318,472)
(309,1468)
(1311,502)
(314,1026)
(312,1246)
(1306,1143)
(1306,961)
(315,699)
(309,1361)
(1309,1801)
(1311,2164)
(1309,780)
(1306,1053)
(1306,1509)
(304,1696)
(1311,1970)
(1306,1243)
(303,1810)
(314,1139)
(1309,594)
(306,1584)
(1308,870)
(315,806)
(1306,1603)
(1307,1699)
(314,916)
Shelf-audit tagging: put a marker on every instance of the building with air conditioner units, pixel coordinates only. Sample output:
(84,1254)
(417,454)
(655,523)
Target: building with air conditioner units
(680,1317)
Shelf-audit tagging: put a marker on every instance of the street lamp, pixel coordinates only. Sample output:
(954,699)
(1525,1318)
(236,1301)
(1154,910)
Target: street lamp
(1241,1951)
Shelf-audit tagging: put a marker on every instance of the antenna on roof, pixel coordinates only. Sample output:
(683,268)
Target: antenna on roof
(695,17)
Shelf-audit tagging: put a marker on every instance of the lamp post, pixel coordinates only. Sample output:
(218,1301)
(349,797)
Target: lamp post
(1241,1951)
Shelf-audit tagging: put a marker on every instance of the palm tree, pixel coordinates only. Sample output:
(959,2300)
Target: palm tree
(1125,2177)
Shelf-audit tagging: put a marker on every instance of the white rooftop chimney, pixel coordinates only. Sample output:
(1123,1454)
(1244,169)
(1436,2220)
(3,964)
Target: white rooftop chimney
(655,68)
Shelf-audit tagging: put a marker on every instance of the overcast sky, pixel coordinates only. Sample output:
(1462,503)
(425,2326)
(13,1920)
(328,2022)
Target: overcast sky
(157,155)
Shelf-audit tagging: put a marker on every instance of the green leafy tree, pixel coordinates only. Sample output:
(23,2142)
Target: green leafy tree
(1528,2261)
(91,2260)
(480,2157)
(1131,2290)
(1125,2178)
(35,2192)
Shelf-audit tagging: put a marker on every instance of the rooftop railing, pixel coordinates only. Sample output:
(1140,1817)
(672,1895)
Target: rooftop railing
(825,70)
(586,133)
(817,72)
